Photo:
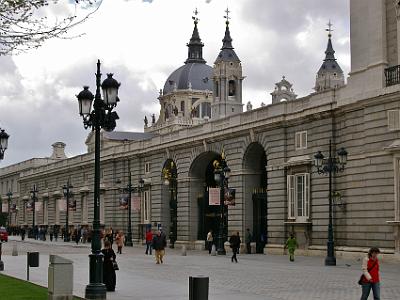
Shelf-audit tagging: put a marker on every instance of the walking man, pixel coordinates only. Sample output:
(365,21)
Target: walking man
(291,245)
(209,241)
(149,241)
(235,241)
(247,240)
(159,244)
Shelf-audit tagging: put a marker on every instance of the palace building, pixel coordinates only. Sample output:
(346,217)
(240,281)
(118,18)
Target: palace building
(275,186)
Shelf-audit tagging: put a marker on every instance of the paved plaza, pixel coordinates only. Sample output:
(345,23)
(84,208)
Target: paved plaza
(254,277)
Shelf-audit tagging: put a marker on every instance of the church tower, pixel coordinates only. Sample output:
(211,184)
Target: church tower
(330,75)
(227,79)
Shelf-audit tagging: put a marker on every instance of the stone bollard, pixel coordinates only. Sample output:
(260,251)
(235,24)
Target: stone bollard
(184,250)
(60,278)
(15,249)
(213,250)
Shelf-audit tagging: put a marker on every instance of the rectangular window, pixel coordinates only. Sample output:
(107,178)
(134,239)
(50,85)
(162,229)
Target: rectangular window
(84,210)
(298,189)
(147,167)
(146,207)
(301,140)
(394,119)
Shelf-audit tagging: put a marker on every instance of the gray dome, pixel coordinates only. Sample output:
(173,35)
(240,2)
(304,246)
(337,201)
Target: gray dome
(198,74)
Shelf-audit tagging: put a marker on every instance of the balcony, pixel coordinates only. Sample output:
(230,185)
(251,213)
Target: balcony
(392,75)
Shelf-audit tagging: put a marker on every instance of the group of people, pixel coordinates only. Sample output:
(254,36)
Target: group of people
(158,242)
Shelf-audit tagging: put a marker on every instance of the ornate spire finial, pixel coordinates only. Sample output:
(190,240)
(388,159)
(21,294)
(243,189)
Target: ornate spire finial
(227,17)
(329,29)
(195,18)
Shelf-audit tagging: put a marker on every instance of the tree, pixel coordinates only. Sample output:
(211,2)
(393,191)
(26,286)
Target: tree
(24,24)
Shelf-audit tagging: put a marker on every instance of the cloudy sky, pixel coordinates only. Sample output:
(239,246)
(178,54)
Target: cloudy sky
(142,42)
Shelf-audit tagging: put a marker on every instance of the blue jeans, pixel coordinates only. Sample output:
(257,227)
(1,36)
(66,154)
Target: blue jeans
(148,247)
(366,289)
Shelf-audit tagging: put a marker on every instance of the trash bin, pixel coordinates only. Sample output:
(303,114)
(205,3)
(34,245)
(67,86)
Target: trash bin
(33,259)
(198,288)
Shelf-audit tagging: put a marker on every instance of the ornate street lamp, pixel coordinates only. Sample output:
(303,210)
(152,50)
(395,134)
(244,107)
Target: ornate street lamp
(130,188)
(9,195)
(101,116)
(3,142)
(34,193)
(67,191)
(221,176)
(170,180)
(330,165)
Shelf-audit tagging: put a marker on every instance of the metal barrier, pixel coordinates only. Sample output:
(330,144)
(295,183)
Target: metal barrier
(198,288)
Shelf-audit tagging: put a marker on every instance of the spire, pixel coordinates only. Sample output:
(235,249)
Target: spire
(195,51)
(329,53)
(227,53)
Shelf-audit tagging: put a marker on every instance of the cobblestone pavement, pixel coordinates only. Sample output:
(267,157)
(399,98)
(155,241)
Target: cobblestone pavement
(254,277)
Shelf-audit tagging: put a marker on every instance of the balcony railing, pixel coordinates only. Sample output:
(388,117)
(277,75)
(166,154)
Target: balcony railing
(392,75)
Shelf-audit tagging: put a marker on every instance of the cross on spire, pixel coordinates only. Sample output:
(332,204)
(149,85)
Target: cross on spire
(227,17)
(196,12)
(329,29)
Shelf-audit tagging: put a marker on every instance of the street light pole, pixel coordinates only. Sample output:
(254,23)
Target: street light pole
(170,180)
(3,142)
(330,166)
(9,195)
(221,176)
(67,192)
(34,192)
(101,116)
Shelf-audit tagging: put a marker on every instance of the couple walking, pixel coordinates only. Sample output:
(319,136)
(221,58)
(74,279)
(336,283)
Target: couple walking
(158,242)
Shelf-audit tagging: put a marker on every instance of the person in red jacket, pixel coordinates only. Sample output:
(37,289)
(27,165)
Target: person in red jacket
(370,280)
(149,241)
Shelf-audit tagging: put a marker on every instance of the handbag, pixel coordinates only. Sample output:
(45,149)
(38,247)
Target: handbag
(115,266)
(360,281)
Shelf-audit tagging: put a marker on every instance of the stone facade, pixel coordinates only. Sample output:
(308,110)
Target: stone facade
(264,149)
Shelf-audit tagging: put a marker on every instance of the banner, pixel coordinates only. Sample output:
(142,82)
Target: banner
(13,207)
(229,196)
(72,205)
(135,203)
(213,196)
(62,205)
(4,207)
(38,206)
(29,205)
(123,202)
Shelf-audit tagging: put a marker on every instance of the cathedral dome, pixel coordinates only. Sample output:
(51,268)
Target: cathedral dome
(197,76)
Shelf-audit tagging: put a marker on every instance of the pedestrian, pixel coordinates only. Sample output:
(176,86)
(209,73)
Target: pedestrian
(234,242)
(210,240)
(119,240)
(51,233)
(248,237)
(370,279)
(149,241)
(56,229)
(77,236)
(22,233)
(159,244)
(291,245)
(109,277)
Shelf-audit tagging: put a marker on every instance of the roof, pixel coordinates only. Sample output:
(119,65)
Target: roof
(227,53)
(330,64)
(197,76)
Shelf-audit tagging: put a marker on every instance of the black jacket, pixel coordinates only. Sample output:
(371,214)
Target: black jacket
(159,242)
(234,240)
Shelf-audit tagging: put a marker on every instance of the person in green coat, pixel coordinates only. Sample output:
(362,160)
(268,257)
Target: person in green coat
(291,245)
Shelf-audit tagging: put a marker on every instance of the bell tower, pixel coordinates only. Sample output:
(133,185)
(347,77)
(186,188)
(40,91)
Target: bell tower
(227,79)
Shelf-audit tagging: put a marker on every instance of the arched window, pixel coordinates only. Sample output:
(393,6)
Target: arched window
(232,88)
(183,107)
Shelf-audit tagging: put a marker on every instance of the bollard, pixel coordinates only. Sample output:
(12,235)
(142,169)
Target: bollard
(198,288)
(1,262)
(60,278)
(15,249)
(184,250)
(213,250)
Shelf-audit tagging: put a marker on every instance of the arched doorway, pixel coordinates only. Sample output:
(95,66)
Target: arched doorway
(203,216)
(169,191)
(255,194)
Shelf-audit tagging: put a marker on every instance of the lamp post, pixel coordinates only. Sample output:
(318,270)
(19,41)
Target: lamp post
(130,188)
(3,142)
(101,116)
(34,193)
(67,191)
(330,166)
(9,195)
(221,176)
(170,176)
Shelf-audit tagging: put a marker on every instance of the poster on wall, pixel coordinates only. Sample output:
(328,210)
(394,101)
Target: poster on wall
(62,204)
(72,205)
(213,196)
(229,196)
(135,203)
(123,202)
(4,207)
(29,206)
(38,206)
